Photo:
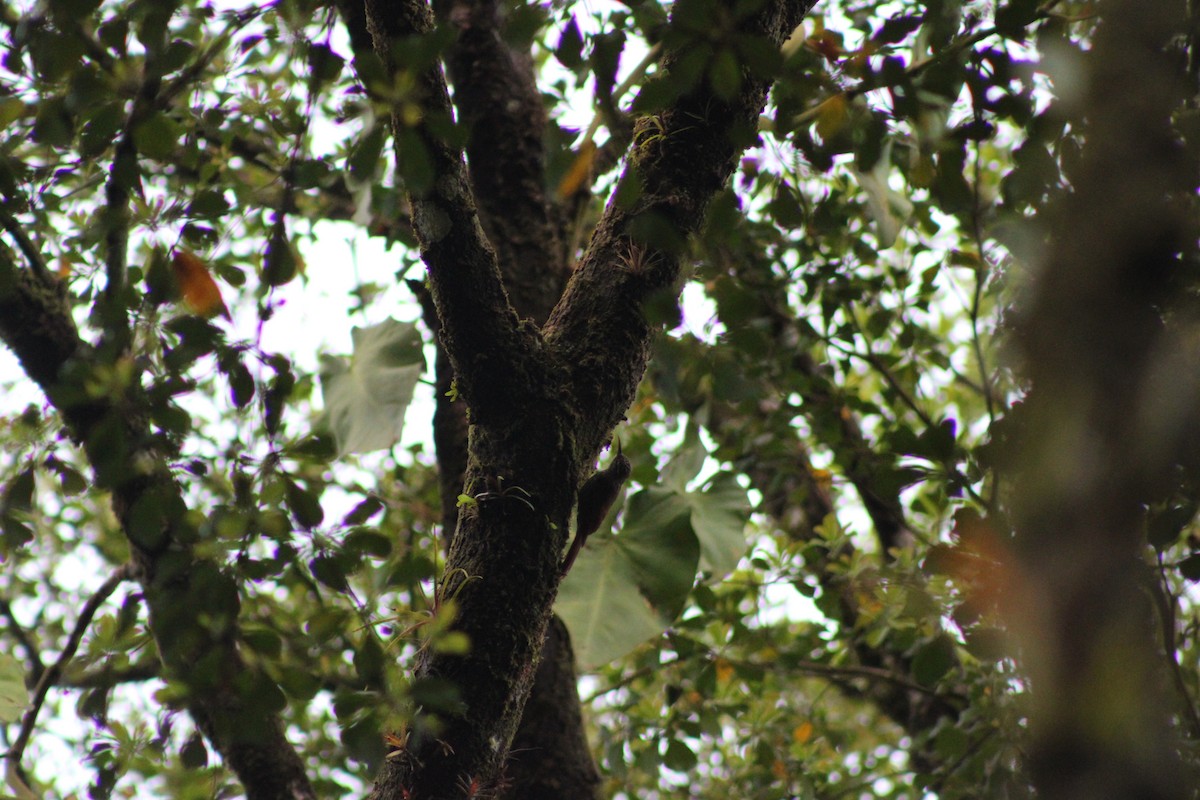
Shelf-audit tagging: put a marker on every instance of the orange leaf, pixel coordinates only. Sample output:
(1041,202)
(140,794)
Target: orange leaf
(831,116)
(802,732)
(200,292)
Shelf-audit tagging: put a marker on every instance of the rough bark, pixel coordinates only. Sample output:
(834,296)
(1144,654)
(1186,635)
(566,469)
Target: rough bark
(499,104)
(541,407)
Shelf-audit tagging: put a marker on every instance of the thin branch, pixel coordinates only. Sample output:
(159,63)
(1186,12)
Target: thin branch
(28,248)
(480,328)
(22,636)
(835,673)
(1165,603)
(36,324)
(50,676)
(980,279)
(504,117)
(855,671)
(122,179)
(969,751)
(885,372)
(108,677)
(629,678)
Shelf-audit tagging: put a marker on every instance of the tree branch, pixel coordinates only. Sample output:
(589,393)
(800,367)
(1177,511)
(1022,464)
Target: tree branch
(26,245)
(32,655)
(681,157)
(480,329)
(108,677)
(192,603)
(50,676)
(501,109)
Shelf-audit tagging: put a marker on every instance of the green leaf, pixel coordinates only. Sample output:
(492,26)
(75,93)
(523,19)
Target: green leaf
(1190,567)
(719,516)
(13,695)
(363,160)
(367,541)
(1013,17)
(11,109)
(280,262)
(369,507)
(328,570)
(934,660)
(54,125)
(241,384)
(725,74)
(18,495)
(263,640)
(158,136)
(679,757)
(194,754)
(368,660)
(687,461)
(1164,527)
(366,396)
(275,397)
(305,505)
(71,479)
(570,46)
(627,588)
(324,64)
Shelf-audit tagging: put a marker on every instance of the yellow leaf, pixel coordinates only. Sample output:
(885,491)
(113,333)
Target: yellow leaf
(200,292)
(802,733)
(831,116)
(580,169)
(724,671)
(823,477)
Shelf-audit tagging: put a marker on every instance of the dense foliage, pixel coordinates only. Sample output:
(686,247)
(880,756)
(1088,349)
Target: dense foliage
(862,468)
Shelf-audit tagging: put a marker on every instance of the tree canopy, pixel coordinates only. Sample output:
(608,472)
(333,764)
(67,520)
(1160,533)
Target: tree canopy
(891,304)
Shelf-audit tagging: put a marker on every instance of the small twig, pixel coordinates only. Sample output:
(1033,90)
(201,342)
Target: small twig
(22,636)
(811,667)
(980,280)
(855,671)
(1165,602)
(186,77)
(874,362)
(32,254)
(971,750)
(630,678)
(50,676)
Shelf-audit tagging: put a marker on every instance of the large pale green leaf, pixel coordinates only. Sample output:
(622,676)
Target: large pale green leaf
(13,695)
(627,588)
(719,516)
(687,462)
(366,395)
